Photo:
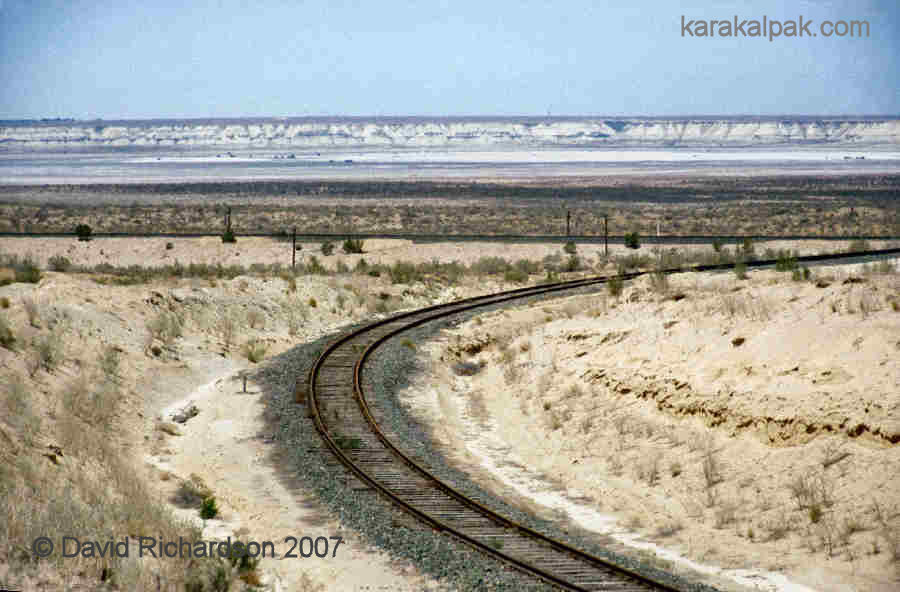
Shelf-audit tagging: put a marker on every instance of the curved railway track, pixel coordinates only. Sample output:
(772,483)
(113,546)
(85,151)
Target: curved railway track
(346,421)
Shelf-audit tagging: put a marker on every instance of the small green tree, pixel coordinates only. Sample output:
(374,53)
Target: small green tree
(353,245)
(633,240)
(84,232)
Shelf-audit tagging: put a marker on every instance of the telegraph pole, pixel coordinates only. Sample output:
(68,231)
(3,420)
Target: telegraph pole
(294,248)
(568,221)
(605,236)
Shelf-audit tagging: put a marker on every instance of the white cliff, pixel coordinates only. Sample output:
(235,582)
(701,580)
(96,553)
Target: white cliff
(477,132)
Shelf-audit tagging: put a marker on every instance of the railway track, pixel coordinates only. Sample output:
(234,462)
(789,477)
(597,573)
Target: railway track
(347,423)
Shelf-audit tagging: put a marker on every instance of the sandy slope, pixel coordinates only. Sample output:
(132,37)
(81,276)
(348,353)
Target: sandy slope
(608,411)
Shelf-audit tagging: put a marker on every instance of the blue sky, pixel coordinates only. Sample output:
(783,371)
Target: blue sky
(123,59)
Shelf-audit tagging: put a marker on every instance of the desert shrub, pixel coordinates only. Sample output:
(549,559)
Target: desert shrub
(18,409)
(465,368)
(859,245)
(740,270)
(615,285)
(516,276)
(341,267)
(312,303)
(33,311)
(166,326)
(573,263)
(353,245)
(633,240)
(228,236)
(362,266)
(633,261)
(209,508)
(327,248)
(404,272)
(659,282)
(7,337)
(717,245)
(785,261)
(527,266)
(552,262)
(110,360)
(49,350)
(570,248)
(84,232)
(4,302)
(314,266)
(255,350)
(490,266)
(59,263)
(27,271)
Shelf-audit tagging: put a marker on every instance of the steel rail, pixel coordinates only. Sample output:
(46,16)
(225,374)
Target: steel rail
(421,316)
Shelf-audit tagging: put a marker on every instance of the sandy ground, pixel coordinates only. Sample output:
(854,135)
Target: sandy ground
(225,443)
(247,251)
(748,431)
(226,447)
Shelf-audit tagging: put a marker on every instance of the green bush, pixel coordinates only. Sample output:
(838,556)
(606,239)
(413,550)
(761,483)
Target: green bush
(786,261)
(740,270)
(633,240)
(353,245)
(570,248)
(209,508)
(327,248)
(228,236)
(84,232)
(59,263)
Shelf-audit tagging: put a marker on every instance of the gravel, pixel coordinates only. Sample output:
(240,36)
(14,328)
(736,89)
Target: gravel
(388,371)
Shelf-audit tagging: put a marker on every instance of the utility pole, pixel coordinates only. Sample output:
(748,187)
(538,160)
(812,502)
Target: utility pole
(605,236)
(568,221)
(294,248)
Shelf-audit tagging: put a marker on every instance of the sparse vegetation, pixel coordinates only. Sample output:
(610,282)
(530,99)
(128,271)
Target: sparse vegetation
(255,350)
(633,240)
(353,245)
(209,508)
(7,337)
(59,263)
(84,232)
(615,285)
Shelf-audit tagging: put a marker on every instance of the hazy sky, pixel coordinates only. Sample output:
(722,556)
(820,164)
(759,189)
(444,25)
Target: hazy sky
(203,58)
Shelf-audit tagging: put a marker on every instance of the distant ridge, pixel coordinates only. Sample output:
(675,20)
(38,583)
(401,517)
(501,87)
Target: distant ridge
(473,131)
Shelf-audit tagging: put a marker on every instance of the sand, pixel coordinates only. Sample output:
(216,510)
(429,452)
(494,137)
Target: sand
(607,410)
